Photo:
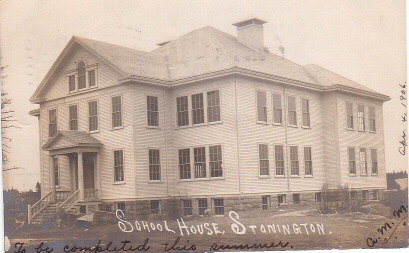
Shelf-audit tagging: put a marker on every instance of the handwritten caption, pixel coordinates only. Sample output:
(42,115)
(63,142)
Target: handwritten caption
(404,118)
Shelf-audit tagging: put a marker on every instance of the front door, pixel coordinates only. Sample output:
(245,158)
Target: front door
(89,179)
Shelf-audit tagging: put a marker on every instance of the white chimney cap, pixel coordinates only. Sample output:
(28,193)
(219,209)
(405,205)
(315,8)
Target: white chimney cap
(249,21)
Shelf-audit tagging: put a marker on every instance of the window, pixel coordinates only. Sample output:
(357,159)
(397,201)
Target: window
(281,199)
(118,166)
(82,84)
(296,198)
(71,83)
(375,195)
(308,161)
(202,206)
(362,161)
(294,161)
(350,115)
(187,207)
(182,111)
(152,111)
(318,197)
(197,109)
(265,202)
(277,109)
(56,172)
(292,112)
(52,122)
(91,78)
(374,158)
(154,165)
(261,106)
(213,106)
(121,206)
(200,162)
(215,163)
(372,121)
(73,113)
(263,157)
(155,207)
(116,111)
(218,206)
(279,159)
(184,163)
(361,118)
(93,116)
(354,194)
(365,194)
(352,162)
(305,103)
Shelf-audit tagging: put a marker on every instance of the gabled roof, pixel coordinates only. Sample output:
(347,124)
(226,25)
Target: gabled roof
(206,53)
(69,139)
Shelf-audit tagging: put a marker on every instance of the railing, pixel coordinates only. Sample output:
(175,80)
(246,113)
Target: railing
(61,196)
(35,209)
(70,201)
(90,194)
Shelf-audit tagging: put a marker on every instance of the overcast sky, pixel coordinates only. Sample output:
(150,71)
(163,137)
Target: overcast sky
(361,40)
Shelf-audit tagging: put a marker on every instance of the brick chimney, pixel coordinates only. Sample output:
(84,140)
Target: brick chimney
(250,33)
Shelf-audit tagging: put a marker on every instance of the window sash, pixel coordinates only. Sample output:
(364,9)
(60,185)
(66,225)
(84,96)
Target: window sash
(187,207)
(155,207)
(308,161)
(363,162)
(292,111)
(93,116)
(279,159)
(152,111)
(265,202)
(218,206)
(82,83)
(118,166)
(361,118)
(213,106)
(350,115)
(71,83)
(154,165)
(202,206)
(374,158)
(263,158)
(295,170)
(281,199)
(73,114)
(91,78)
(261,106)
(306,112)
(352,162)
(200,162)
(56,172)
(277,109)
(182,111)
(197,109)
(52,122)
(184,164)
(215,161)
(116,111)
(372,120)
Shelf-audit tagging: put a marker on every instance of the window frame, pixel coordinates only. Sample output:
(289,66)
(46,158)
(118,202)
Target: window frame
(151,111)
(115,166)
(308,112)
(265,107)
(283,160)
(221,161)
(215,207)
(189,160)
(121,112)
(205,155)
(89,69)
(56,169)
(265,206)
(74,75)
(186,111)
(219,106)
(365,162)
(363,118)
(56,122)
(159,164)
(297,161)
(184,208)
(69,117)
(275,109)
(295,111)
(159,208)
(376,161)
(117,204)
(375,195)
(296,198)
(305,162)
(349,116)
(372,119)
(349,161)
(366,195)
(78,75)
(97,115)
(199,207)
(260,160)
(194,110)
(284,198)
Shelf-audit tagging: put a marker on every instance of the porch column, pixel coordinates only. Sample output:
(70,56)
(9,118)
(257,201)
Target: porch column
(52,179)
(97,169)
(80,177)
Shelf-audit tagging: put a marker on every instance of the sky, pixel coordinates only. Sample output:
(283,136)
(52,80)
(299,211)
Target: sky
(361,40)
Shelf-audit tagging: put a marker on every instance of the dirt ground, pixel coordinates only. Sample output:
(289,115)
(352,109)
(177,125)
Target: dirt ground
(339,231)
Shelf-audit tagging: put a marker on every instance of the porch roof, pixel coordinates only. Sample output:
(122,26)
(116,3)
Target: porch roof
(71,139)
